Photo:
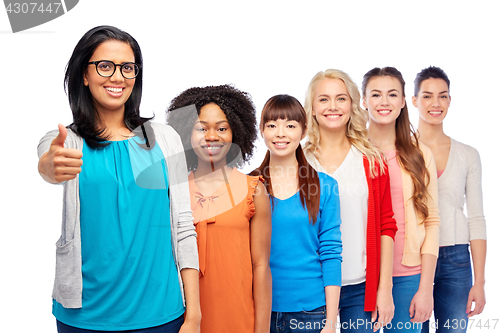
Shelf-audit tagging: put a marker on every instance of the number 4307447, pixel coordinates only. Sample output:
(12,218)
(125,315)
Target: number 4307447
(32,7)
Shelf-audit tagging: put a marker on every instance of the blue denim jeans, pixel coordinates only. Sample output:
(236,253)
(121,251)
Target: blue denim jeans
(353,317)
(295,322)
(403,290)
(452,284)
(171,327)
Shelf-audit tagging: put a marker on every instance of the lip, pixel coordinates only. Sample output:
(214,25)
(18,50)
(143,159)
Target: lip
(333,116)
(384,112)
(212,149)
(281,144)
(435,113)
(114,91)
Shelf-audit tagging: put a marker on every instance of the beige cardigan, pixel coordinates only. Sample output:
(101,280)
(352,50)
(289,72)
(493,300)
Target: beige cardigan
(421,234)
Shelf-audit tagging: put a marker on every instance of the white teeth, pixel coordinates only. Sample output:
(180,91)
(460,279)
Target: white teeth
(282,144)
(333,116)
(213,148)
(435,112)
(115,90)
(384,112)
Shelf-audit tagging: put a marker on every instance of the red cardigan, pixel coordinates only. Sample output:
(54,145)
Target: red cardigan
(380,222)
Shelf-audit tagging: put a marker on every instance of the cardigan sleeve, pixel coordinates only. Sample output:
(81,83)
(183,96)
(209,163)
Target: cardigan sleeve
(388,225)
(474,196)
(187,250)
(431,223)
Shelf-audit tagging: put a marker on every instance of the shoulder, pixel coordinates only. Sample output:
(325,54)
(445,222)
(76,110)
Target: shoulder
(162,129)
(426,151)
(464,149)
(326,182)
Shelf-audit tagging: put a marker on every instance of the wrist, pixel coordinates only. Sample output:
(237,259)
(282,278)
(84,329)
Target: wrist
(192,316)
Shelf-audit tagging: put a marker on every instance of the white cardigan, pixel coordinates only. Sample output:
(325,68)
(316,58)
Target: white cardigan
(461,183)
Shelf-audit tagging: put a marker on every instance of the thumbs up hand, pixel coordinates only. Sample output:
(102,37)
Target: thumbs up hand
(60,164)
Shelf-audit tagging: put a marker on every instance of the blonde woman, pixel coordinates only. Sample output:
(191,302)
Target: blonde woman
(338,146)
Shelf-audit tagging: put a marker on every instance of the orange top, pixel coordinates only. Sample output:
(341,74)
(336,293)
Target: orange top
(223,228)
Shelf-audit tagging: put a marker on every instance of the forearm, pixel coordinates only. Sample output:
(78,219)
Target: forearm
(428,269)
(190,279)
(332,295)
(262,291)
(386,260)
(478,252)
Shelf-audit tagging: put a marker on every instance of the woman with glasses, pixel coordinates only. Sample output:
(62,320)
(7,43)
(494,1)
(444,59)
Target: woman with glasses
(126,259)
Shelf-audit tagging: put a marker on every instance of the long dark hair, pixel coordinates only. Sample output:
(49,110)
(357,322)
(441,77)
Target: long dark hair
(85,116)
(289,108)
(407,146)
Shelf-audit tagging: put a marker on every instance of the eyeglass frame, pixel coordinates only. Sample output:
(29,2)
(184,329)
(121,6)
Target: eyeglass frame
(114,70)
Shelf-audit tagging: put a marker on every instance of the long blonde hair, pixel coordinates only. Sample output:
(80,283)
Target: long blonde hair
(356,131)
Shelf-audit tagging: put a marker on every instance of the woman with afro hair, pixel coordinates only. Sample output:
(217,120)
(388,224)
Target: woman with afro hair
(231,210)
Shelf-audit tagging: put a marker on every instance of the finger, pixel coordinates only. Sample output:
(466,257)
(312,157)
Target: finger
(61,137)
(469,305)
(412,309)
(64,178)
(62,161)
(73,153)
(374,315)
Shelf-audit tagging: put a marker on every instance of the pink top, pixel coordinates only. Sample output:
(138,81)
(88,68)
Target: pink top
(440,172)
(399,215)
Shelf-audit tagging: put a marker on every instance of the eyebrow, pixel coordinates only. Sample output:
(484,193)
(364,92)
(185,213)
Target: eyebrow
(428,92)
(341,94)
(381,90)
(217,123)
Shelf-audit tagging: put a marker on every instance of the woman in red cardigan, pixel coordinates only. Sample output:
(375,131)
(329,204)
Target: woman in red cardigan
(338,145)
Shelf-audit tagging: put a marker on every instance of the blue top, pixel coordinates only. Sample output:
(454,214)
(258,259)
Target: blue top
(305,258)
(129,275)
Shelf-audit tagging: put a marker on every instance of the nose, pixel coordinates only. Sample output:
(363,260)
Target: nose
(384,100)
(436,101)
(117,75)
(211,135)
(280,133)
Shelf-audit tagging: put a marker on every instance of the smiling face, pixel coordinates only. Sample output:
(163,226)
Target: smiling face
(331,104)
(432,101)
(384,98)
(110,93)
(211,135)
(282,136)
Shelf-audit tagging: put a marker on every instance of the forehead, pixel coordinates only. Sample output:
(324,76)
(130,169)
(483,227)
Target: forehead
(115,51)
(211,113)
(433,85)
(384,83)
(330,87)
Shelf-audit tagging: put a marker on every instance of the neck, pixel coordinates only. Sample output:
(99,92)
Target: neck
(205,168)
(113,123)
(288,163)
(382,135)
(431,133)
(333,140)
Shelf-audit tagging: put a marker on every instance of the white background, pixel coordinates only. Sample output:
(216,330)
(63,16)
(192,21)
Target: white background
(264,48)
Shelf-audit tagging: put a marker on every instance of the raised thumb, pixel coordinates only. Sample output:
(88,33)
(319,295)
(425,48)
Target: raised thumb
(61,137)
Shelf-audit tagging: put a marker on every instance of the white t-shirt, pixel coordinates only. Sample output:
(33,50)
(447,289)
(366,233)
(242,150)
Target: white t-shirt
(353,194)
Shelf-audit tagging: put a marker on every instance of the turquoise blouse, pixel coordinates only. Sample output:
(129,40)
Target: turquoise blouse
(129,276)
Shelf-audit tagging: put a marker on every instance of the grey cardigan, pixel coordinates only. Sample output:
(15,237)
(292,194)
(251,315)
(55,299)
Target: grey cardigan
(68,280)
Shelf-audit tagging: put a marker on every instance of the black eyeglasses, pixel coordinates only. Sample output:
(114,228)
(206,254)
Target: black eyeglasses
(107,68)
